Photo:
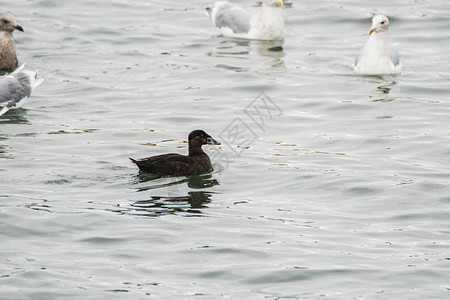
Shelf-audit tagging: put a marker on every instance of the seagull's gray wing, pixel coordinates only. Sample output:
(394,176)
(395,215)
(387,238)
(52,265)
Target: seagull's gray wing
(393,53)
(232,16)
(24,80)
(14,88)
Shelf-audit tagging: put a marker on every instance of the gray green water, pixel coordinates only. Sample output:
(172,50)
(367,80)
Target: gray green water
(342,193)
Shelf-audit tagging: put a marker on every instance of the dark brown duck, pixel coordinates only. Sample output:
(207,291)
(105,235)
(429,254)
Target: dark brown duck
(195,163)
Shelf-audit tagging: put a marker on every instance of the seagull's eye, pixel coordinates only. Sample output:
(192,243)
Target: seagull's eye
(382,23)
(5,21)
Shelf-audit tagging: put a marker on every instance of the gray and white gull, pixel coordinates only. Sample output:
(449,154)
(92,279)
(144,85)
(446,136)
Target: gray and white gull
(15,88)
(378,57)
(234,21)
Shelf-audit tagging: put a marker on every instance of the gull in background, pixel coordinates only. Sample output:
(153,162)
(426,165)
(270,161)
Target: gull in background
(234,21)
(378,57)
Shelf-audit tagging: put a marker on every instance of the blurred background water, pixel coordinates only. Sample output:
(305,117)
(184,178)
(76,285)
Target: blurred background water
(342,193)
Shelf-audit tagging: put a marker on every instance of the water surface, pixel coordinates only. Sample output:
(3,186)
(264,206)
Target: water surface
(341,193)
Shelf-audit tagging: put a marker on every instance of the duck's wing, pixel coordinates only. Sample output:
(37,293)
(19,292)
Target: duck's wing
(173,164)
(166,164)
(227,15)
(171,157)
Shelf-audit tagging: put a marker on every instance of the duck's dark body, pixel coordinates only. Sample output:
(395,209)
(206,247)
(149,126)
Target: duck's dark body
(196,163)
(175,164)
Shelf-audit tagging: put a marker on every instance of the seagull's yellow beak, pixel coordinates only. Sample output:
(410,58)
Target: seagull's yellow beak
(372,30)
(280,2)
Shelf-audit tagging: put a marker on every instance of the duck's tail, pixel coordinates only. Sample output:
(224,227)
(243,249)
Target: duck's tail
(143,165)
(138,163)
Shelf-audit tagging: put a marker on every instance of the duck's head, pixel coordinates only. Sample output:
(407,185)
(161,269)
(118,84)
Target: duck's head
(380,23)
(8,23)
(273,3)
(199,137)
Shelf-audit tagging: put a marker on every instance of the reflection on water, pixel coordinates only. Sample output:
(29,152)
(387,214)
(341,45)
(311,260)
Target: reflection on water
(273,49)
(163,205)
(329,194)
(41,206)
(14,116)
(383,88)
(201,182)
(234,46)
(247,49)
(196,182)
(3,153)
(157,205)
(3,147)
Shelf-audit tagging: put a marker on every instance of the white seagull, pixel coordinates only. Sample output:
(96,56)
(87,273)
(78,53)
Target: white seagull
(378,57)
(15,88)
(234,21)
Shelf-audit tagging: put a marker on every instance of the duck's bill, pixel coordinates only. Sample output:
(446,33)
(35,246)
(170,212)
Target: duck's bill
(212,141)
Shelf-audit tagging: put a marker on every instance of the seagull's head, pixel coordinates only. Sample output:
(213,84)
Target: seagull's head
(273,3)
(380,23)
(8,23)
